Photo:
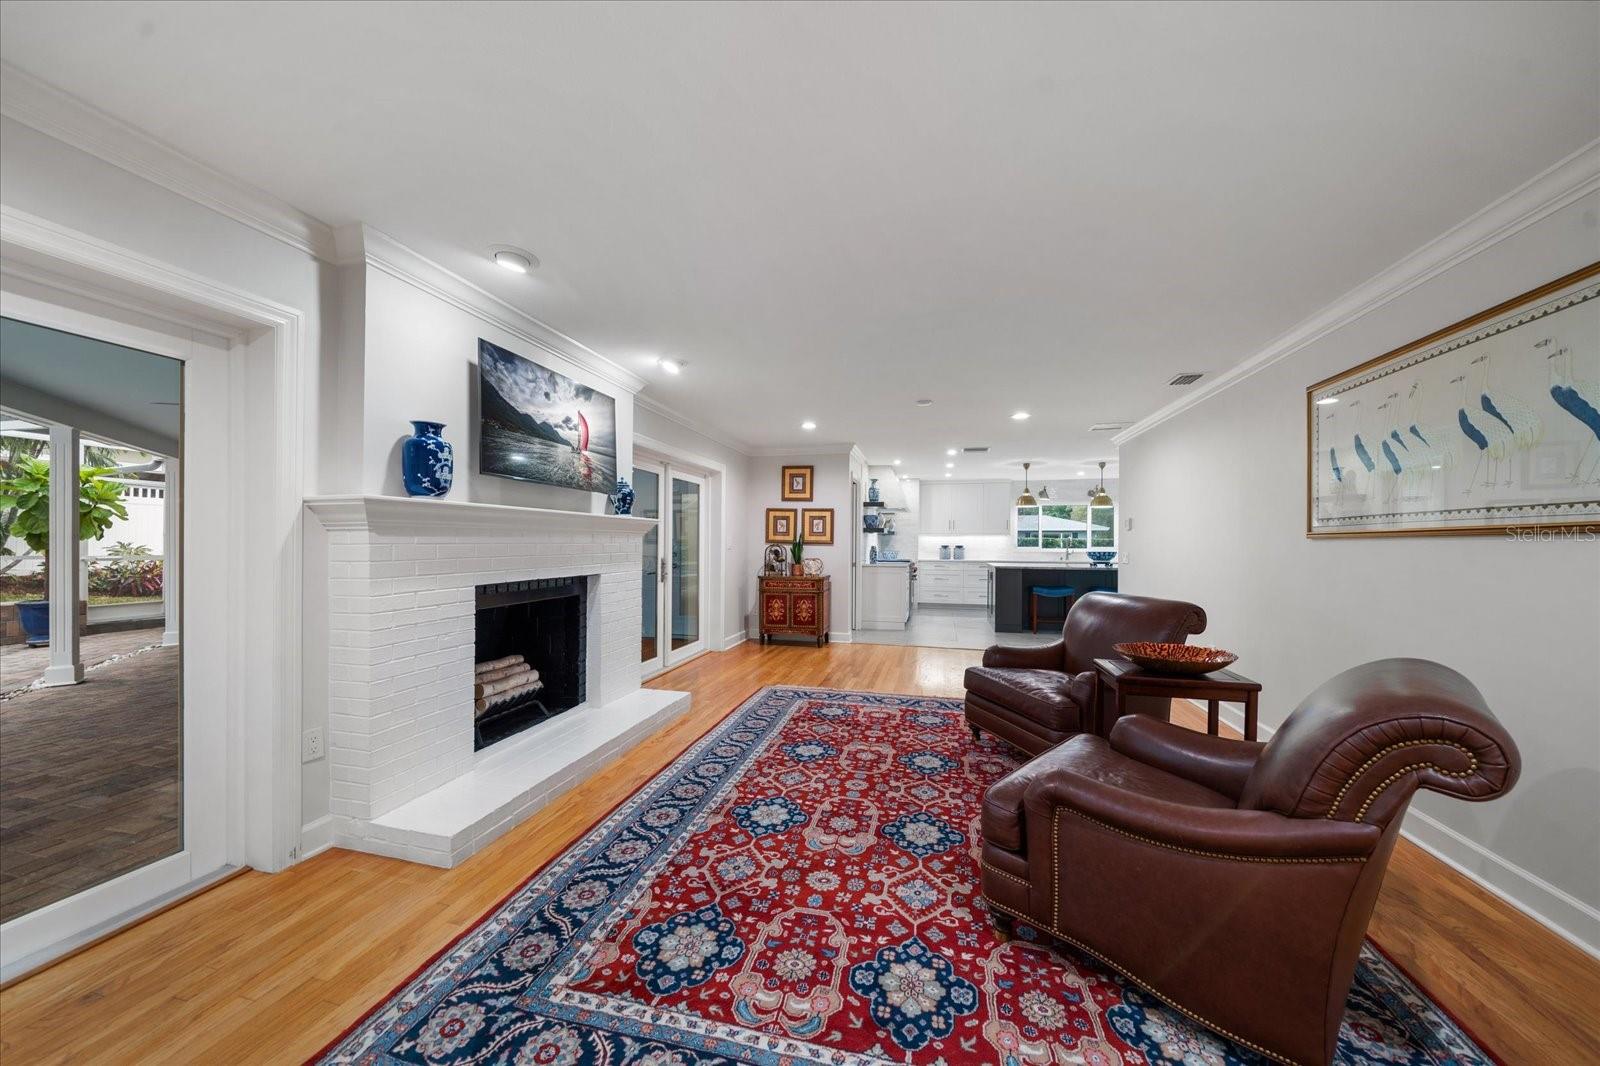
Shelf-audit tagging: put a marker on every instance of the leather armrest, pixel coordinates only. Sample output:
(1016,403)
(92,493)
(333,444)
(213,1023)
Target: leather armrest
(1045,657)
(1222,831)
(1001,817)
(1219,763)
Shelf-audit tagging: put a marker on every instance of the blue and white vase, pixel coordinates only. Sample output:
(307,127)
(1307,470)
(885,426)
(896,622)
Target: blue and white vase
(622,499)
(873,495)
(427,461)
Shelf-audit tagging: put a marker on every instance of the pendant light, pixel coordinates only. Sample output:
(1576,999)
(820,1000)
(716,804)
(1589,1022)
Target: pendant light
(1027,499)
(1100,497)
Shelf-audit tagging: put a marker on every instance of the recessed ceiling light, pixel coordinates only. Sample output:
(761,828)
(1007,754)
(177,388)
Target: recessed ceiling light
(1019,416)
(518,262)
(949,466)
(924,403)
(949,451)
(1326,400)
(897,462)
(808,424)
(671,366)
(947,473)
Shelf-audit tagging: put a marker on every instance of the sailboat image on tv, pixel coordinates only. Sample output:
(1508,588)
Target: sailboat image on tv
(538,424)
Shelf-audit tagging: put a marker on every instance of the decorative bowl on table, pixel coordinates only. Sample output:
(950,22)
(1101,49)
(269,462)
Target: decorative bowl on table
(1101,558)
(1176,658)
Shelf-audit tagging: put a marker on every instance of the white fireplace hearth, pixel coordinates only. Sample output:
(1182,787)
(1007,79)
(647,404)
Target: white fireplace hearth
(398,580)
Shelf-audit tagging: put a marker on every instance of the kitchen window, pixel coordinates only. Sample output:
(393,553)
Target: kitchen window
(1060,526)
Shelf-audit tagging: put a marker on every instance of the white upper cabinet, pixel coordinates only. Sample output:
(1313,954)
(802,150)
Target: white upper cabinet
(970,507)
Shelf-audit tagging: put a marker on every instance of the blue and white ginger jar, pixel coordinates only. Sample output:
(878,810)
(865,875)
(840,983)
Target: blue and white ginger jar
(427,461)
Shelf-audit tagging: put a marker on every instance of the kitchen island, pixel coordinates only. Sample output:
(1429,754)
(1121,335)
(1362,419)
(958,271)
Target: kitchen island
(1012,581)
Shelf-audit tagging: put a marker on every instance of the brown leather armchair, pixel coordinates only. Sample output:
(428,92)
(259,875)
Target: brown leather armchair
(1235,880)
(1035,698)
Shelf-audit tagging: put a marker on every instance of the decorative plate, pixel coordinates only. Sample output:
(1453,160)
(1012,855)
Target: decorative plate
(1176,658)
(812,567)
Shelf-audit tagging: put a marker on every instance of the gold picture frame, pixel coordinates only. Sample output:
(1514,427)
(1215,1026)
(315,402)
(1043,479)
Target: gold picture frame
(816,525)
(797,483)
(781,524)
(1399,445)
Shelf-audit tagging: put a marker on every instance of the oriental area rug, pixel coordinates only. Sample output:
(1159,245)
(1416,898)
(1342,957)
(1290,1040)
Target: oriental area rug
(801,886)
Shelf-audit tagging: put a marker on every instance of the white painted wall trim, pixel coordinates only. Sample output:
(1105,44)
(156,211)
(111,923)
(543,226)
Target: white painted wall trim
(361,243)
(266,726)
(316,837)
(831,448)
(733,640)
(54,113)
(1559,911)
(430,516)
(1573,177)
(644,401)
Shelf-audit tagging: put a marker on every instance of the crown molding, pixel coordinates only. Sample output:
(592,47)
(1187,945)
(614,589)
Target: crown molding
(57,114)
(1570,179)
(794,451)
(671,414)
(360,243)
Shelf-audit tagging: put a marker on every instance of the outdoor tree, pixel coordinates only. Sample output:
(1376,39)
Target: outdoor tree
(15,449)
(25,487)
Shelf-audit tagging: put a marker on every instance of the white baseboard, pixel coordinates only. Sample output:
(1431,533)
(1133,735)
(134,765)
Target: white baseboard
(733,640)
(316,836)
(840,636)
(1554,908)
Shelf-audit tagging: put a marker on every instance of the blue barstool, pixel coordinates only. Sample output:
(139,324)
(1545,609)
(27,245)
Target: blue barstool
(1053,592)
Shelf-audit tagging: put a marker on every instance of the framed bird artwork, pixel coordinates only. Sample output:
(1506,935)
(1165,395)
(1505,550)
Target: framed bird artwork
(1487,426)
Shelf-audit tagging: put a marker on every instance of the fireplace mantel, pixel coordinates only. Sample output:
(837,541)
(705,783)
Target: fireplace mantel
(417,516)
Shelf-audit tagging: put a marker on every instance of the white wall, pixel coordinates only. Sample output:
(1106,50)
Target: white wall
(830,488)
(422,363)
(740,552)
(1217,498)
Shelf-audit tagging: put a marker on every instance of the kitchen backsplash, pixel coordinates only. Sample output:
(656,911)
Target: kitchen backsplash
(989,548)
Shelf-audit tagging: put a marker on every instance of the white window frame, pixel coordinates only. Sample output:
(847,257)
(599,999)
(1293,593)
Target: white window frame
(1016,513)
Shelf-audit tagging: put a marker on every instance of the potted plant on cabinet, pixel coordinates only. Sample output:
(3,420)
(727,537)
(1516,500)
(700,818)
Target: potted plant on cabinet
(796,553)
(26,487)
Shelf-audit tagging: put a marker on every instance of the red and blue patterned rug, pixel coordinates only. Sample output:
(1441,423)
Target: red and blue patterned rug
(801,886)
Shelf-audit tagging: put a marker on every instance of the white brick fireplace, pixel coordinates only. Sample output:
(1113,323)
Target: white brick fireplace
(401,576)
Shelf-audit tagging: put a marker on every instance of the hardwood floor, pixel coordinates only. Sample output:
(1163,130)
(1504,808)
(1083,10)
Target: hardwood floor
(267,969)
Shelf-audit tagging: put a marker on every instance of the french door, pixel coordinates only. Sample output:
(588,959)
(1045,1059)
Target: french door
(673,564)
(134,802)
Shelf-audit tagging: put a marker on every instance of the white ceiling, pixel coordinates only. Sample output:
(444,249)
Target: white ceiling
(829,211)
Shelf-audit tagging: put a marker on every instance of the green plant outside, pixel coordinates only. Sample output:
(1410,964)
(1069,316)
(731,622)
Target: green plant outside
(26,487)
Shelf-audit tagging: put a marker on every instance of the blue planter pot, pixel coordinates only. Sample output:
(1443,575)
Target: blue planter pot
(427,461)
(34,618)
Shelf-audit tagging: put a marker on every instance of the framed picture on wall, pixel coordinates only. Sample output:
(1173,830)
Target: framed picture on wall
(816,525)
(781,524)
(797,482)
(1488,426)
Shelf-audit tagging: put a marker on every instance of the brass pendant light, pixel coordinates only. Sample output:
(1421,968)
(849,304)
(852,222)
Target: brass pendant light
(1100,497)
(1027,499)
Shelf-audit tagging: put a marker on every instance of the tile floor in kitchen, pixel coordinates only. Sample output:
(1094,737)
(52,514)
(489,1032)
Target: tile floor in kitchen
(955,627)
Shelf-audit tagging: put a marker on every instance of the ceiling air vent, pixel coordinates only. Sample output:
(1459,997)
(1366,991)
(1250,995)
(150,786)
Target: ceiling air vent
(1108,427)
(976,449)
(1188,377)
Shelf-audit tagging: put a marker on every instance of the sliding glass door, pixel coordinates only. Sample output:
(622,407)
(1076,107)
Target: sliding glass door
(672,564)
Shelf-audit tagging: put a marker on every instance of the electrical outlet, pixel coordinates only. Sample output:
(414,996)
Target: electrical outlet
(311,745)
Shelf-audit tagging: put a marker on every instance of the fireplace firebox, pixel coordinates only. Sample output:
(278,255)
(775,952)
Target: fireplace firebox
(530,651)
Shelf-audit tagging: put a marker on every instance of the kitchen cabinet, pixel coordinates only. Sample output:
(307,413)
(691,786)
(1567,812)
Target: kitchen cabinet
(885,595)
(1013,583)
(955,584)
(969,507)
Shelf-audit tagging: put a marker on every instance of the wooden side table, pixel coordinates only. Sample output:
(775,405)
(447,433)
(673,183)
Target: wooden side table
(795,607)
(1126,679)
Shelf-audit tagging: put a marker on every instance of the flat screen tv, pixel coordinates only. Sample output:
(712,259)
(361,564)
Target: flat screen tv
(537,424)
